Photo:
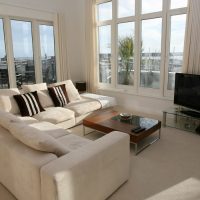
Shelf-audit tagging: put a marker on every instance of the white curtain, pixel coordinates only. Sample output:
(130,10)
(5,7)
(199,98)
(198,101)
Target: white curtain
(90,37)
(62,43)
(191,63)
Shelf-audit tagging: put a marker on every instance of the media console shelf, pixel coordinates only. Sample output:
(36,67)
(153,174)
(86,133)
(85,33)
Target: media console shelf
(181,119)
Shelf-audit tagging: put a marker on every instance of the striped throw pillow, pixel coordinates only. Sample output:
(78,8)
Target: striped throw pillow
(59,95)
(28,103)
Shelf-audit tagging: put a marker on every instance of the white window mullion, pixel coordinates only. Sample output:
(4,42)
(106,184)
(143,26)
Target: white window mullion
(137,44)
(36,52)
(114,44)
(9,50)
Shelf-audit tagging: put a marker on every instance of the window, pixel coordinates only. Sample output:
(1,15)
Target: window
(4,82)
(176,48)
(140,44)
(23,52)
(27,50)
(150,63)
(126,53)
(47,53)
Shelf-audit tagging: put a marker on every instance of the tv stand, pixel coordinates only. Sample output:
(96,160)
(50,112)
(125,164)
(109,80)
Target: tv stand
(187,120)
(191,113)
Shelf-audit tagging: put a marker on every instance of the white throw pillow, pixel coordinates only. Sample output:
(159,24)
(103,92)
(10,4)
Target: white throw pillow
(72,92)
(7,102)
(42,92)
(34,87)
(37,139)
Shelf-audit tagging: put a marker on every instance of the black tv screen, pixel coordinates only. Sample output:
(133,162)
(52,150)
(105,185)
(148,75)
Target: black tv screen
(187,90)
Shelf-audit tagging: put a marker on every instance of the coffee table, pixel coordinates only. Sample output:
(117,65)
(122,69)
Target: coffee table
(109,120)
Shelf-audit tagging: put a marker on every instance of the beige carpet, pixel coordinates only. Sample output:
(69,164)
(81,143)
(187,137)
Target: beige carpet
(167,170)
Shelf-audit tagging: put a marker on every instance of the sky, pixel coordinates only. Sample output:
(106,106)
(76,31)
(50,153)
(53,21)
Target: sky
(151,34)
(22,39)
(2,44)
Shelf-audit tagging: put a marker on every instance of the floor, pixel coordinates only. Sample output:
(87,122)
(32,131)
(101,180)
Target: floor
(167,170)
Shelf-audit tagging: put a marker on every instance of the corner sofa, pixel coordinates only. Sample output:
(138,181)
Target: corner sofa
(41,160)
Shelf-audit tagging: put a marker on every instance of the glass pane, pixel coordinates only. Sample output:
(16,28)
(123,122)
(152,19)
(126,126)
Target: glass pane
(47,53)
(105,54)
(4,82)
(178,23)
(126,53)
(150,6)
(151,53)
(104,11)
(126,8)
(23,52)
(178,3)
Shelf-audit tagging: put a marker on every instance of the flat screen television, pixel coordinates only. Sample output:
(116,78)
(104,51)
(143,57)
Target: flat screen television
(187,91)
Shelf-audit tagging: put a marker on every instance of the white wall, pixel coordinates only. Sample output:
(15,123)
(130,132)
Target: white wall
(74,15)
(146,106)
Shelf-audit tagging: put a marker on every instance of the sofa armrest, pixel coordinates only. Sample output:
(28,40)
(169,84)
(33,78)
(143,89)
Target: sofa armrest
(92,172)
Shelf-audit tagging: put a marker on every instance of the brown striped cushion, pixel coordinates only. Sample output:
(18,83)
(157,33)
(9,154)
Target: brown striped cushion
(59,95)
(28,103)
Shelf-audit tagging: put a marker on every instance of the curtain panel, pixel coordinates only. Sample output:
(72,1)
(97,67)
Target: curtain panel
(91,53)
(62,43)
(191,60)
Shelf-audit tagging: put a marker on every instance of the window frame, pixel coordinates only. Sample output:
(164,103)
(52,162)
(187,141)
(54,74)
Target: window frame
(165,16)
(36,17)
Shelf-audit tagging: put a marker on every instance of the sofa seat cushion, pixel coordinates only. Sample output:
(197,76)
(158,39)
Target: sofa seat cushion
(55,115)
(7,101)
(83,106)
(73,142)
(27,120)
(50,129)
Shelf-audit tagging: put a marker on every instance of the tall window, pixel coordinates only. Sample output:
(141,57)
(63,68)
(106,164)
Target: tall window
(140,44)
(23,52)
(48,53)
(4,82)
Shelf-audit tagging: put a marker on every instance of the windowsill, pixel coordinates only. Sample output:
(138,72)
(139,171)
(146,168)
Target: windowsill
(134,93)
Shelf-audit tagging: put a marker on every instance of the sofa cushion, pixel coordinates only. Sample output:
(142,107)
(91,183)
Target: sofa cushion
(42,92)
(73,142)
(83,106)
(7,102)
(28,103)
(34,87)
(72,92)
(37,139)
(55,115)
(59,95)
(50,129)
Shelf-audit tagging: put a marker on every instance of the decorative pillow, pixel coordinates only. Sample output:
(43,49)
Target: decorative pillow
(37,139)
(29,104)
(59,95)
(72,92)
(7,102)
(34,87)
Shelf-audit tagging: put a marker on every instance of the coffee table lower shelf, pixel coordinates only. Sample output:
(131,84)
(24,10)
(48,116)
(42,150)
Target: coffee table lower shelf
(137,150)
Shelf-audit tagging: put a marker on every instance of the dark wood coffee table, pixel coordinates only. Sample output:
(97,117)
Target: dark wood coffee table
(109,120)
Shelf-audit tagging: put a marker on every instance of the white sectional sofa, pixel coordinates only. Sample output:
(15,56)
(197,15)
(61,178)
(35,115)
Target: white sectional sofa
(41,160)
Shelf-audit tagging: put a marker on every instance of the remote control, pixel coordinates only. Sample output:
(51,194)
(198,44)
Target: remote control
(135,129)
(140,130)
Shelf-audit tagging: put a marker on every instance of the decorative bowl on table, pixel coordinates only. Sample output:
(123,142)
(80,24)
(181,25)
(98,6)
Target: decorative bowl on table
(125,116)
